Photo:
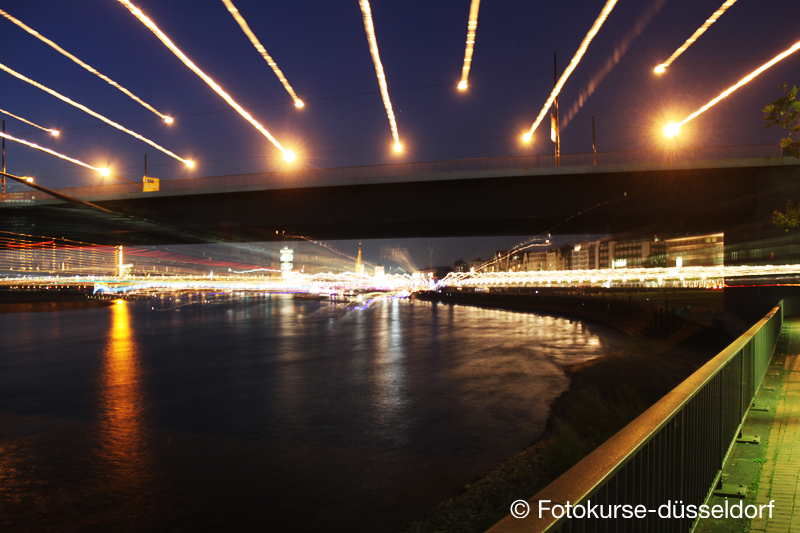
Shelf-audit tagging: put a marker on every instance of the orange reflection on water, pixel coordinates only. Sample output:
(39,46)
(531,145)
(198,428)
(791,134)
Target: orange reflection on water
(122,420)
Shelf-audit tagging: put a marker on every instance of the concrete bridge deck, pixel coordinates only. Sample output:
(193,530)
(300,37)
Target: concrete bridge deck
(498,196)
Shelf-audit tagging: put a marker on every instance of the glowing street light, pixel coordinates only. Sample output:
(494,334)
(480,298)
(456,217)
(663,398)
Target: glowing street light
(103,171)
(108,80)
(54,133)
(261,50)
(398,147)
(598,23)
(136,12)
(660,69)
(289,156)
(472,25)
(369,27)
(672,129)
(89,111)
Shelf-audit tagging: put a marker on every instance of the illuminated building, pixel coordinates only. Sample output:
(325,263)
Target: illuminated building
(287,259)
(460,266)
(380,272)
(699,250)
(559,258)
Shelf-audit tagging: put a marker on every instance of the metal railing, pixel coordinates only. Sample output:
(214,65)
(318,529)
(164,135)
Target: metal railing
(710,153)
(673,452)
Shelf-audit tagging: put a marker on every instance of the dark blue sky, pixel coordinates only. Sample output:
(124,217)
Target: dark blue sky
(322,49)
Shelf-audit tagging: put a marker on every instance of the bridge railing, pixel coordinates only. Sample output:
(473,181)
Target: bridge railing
(673,452)
(709,153)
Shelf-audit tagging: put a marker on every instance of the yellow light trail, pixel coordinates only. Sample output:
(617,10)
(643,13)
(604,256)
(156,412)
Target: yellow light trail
(376,58)
(54,133)
(717,14)
(572,64)
(287,154)
(108,80)
(103,171)
(85,109)
(673,128)
(472,25)
(261,50)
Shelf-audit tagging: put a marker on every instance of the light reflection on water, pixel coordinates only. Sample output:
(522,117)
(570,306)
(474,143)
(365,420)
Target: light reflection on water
(120,403)
(235,413)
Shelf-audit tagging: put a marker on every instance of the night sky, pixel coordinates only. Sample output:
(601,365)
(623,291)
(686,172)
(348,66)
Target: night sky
(322,49)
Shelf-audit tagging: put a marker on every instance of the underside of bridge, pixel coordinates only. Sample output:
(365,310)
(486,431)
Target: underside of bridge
(661,201)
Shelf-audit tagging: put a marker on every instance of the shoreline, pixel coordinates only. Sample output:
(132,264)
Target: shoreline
(604,394)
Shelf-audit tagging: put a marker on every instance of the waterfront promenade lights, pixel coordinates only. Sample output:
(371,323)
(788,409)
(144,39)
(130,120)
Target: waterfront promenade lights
(289,155)
(398,147)
(526,137)
(105,172)
(189,163)
(462,86)
(299,103)
(169,120)
(660,69)
(55,133)
(672,129)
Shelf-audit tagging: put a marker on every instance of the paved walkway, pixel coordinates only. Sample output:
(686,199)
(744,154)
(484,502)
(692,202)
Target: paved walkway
(780,474)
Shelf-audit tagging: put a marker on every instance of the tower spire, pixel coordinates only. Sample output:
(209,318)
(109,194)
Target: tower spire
(359,266)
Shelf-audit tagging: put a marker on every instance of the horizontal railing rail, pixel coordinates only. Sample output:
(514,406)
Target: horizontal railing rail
(673,452)
(710,153)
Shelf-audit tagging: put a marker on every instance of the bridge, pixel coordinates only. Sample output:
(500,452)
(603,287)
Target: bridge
(698,189)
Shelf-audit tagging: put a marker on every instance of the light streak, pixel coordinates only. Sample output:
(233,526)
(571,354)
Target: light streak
(717,14)
(211,83)
(572,64)
(54,133)
(376,58)
(94,114)
(472,25)
(261,50)
(63,52)
(672,129)
(619,52)
(51,152)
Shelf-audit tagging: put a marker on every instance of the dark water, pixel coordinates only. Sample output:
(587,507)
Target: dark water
(266,413)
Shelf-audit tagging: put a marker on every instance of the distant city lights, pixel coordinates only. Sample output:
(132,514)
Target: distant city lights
(672,129)
(51,152)
(472,25)
(89,111)
(572,64)
(54,133)
(261,50)
(660,69)
(376,58)
(211,83)
(53,45)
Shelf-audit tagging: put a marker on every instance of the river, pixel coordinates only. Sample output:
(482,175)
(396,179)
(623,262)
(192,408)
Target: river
(220,412)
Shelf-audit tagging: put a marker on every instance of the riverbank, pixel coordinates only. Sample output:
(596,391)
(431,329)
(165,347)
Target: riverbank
(41,307)
(604,395)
